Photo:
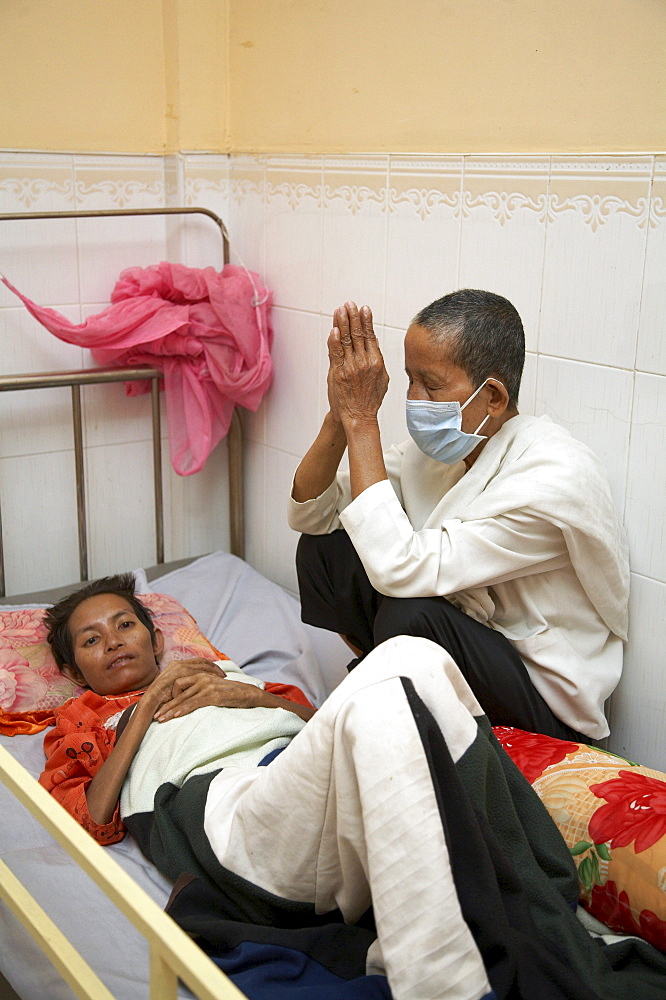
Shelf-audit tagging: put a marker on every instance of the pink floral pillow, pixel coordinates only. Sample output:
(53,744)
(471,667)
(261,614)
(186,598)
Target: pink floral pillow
(612,814)
(29,677)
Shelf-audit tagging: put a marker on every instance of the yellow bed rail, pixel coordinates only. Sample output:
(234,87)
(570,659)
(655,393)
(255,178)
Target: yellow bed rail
(173,955)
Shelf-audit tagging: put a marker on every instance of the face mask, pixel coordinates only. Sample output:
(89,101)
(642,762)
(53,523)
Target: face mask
(437,429)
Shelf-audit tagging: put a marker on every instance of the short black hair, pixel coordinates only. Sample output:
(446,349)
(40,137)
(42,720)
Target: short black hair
(57,617)
(485,334)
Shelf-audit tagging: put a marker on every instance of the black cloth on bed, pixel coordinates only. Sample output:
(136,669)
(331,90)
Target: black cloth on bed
(514,877)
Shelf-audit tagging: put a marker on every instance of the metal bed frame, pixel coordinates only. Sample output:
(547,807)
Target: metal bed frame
(98,375)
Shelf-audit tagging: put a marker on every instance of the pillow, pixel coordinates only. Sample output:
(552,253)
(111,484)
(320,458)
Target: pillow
(29,678)
(612,814)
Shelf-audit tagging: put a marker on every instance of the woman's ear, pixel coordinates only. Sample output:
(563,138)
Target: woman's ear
(158,644)
(73,674)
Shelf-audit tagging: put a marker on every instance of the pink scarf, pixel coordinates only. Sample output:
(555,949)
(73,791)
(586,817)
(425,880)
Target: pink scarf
(208,331)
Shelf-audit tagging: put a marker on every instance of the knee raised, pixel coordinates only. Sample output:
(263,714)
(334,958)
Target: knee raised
(309,549)
(401,616)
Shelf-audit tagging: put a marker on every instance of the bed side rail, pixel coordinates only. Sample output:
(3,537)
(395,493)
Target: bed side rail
(173,955)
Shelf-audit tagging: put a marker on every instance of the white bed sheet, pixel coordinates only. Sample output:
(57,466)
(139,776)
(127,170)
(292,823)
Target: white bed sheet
(257,624)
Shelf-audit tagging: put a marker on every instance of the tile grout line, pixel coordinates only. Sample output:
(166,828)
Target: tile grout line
(461,191)
(625,507)
(543,258)
(386,236)
(650,579)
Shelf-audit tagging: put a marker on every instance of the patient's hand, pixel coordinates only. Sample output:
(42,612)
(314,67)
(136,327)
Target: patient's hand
(169,682)
(194,690)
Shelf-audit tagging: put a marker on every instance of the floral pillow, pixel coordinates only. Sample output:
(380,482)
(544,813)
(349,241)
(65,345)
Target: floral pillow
(29,678)
(612,814)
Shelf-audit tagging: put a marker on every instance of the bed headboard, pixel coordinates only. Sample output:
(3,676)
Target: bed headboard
(75,379)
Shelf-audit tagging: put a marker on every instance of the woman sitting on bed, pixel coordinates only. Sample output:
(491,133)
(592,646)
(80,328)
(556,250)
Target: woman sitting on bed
(394,796)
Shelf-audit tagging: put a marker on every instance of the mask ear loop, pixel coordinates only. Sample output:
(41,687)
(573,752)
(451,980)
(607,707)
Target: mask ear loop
(484,421)
(475,393)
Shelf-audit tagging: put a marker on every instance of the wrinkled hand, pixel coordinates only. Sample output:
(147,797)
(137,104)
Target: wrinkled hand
(169,680)
(357,376)
(200,690)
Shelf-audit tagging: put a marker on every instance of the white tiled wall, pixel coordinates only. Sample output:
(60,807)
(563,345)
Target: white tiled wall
(578,243)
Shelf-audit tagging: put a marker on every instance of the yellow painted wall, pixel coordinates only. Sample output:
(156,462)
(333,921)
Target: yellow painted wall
(448,75)
(196,67)
(154,76)
(143,76)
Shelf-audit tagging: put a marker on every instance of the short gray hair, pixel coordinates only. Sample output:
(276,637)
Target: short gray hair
(485,334)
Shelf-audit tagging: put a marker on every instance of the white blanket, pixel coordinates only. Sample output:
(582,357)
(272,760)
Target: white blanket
(204,741)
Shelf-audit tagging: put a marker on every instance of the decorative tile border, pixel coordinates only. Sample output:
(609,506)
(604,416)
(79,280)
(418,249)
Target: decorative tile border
(594,188)
(356,196)
(424,201)
(295,193)
(196,187)
(27,192)
(596,210)
(173,175)
(247,176)
(297,181)
(657,210)
(533,166)
(425,183)
(241,188)
(32,182)
(203,174)
(598,188)
(344,178)
(625,167)
(658,195)
(504,205)
(120,193)
(120,181)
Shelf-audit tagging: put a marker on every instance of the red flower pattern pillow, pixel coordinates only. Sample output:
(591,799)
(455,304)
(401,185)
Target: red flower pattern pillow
(612,814)
(29,677)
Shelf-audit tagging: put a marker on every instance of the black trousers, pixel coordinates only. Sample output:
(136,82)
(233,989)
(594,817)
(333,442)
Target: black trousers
(337,595)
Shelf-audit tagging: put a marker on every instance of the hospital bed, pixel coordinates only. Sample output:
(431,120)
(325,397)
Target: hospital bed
(107,903)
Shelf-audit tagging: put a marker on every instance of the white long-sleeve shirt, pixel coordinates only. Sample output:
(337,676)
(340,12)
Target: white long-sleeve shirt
(527,542)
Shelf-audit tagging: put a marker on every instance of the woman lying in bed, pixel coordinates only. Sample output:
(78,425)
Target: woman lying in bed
(394,795)
(104,639)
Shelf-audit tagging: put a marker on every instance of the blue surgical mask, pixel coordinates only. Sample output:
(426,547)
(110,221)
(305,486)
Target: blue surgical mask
(437,428)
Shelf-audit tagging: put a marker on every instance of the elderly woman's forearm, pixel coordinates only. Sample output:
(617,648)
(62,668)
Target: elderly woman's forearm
(320,465)
(366,458)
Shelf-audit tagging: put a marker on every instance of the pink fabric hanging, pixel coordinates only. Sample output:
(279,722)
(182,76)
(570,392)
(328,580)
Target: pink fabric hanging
(209,332)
